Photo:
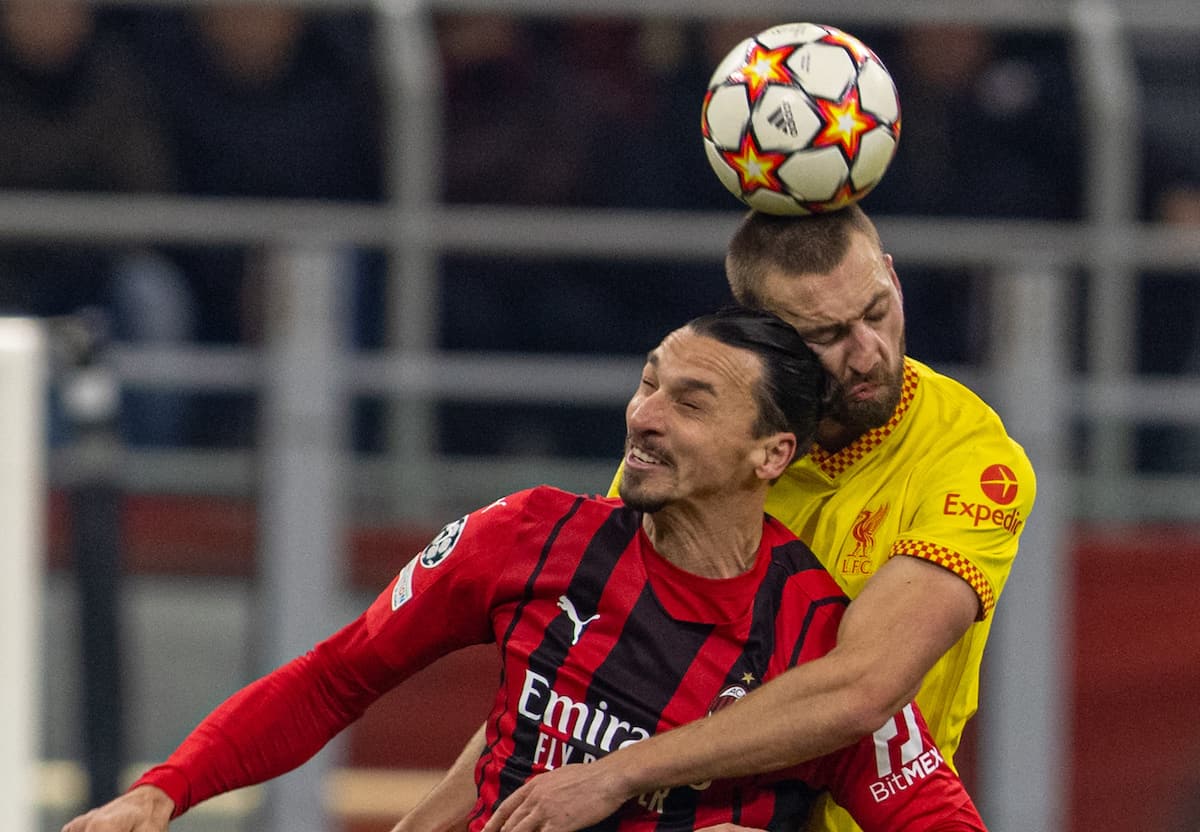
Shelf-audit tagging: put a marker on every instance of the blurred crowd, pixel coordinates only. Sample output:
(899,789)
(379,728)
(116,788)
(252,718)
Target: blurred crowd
(236,100)
(259,101)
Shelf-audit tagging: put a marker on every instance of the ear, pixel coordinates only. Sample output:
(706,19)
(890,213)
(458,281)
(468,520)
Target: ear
(778,451)
(891,267)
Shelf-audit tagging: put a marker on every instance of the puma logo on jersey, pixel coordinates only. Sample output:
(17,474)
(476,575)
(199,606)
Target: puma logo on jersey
(564,604)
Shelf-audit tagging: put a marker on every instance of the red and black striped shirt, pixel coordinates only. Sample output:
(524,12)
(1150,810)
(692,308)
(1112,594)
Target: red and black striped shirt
(603,642)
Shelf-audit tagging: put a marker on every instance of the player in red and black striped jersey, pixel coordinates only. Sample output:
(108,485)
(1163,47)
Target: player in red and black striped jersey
(615,619)
(606,642)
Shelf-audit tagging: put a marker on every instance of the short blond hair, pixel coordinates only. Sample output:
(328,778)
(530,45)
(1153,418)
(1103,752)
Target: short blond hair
(793,244)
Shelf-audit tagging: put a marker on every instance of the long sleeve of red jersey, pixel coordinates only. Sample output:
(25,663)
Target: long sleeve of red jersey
(278,722)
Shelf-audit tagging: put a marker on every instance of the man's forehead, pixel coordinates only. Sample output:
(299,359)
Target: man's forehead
(846,290)
(683,343)
(688,352)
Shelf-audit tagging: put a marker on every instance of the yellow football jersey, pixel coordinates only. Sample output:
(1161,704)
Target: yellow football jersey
(941,481)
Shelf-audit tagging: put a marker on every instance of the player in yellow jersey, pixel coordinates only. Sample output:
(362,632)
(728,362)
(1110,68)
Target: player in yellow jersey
(913,496)
(940,482)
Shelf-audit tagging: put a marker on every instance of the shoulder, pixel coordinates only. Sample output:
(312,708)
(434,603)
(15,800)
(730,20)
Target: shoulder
(503,528)
(957,418)
(792,557)
(550,498)
(547,505)
(962,455)
(940,392)
(787,549)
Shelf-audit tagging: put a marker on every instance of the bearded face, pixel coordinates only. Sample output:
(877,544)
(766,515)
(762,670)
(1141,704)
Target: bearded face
(859,403)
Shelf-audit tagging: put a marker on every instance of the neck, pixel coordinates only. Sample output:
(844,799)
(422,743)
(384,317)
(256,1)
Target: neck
(833,436)
(717,541)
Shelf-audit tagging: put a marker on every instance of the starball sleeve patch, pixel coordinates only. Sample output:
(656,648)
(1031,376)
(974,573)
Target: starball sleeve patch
(442,544)
(956,563)
(434,553)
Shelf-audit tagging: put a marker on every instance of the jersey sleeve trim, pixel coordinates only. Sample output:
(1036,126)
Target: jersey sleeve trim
(954,561)
(173,782)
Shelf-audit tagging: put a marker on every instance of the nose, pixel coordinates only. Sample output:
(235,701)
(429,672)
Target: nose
(864,348)
(645,414)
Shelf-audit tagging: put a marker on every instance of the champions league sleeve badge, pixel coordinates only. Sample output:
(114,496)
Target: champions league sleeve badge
(443,544)
(437,551)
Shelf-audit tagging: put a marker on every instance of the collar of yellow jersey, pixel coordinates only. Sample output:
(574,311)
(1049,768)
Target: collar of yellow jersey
(833,464)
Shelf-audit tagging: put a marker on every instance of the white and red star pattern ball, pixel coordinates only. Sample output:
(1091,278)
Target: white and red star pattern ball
(800,119)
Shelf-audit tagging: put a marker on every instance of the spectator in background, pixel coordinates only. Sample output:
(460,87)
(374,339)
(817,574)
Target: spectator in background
(581,112)
(990,129)
(1168,77)
(270,101)
(264,101)
(513,131)
(643,83)
(990,125)
(76,115)
(1168,343)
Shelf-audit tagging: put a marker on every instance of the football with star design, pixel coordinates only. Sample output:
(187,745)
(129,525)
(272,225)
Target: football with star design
(800,119)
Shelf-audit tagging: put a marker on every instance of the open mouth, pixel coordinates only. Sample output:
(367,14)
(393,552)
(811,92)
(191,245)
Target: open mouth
(861,392)
(641,458)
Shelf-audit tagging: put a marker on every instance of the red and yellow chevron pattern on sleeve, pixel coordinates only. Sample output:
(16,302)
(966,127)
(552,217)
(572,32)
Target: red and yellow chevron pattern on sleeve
(956,563)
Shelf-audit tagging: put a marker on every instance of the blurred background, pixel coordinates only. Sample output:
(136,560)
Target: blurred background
(319,277)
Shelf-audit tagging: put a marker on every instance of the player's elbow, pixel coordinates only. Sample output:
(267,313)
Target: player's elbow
(872,698)
(865,715)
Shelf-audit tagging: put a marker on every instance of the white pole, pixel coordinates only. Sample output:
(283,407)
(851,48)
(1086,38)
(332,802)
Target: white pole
(22,462)
(1025,706)
(301,507)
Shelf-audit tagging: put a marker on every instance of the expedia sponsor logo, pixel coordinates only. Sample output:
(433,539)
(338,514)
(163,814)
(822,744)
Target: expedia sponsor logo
(981,514)
(572,732)
(443,544)
(999,484)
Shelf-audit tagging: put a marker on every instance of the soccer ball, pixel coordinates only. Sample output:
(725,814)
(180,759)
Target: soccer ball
(800,119)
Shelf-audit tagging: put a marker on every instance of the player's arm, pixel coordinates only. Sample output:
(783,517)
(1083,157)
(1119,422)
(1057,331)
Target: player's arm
(267,728)
(447,806)
(907,616)
(281,720)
